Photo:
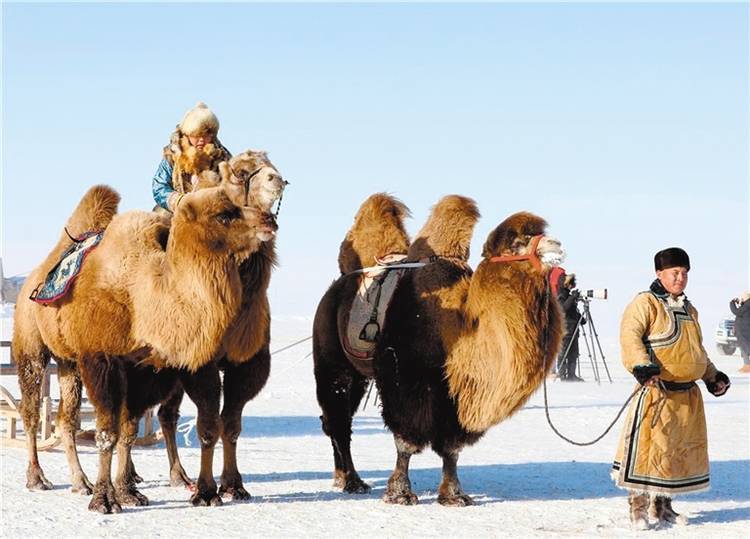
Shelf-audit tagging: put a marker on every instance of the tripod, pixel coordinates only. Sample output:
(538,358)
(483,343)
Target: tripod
(591,339)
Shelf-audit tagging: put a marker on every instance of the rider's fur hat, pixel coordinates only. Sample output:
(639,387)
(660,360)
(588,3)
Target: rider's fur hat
(199,120)
(672,257)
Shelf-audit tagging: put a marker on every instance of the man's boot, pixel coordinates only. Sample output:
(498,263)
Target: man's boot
(638,510)
(661,509)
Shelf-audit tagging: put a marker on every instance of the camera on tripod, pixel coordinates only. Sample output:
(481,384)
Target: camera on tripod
(594,293)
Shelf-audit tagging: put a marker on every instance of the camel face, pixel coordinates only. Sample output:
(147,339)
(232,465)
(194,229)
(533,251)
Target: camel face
(212,220)
(513,236)
(252,177)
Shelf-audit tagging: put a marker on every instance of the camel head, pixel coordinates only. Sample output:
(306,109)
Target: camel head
(448,230)
(253,178)
(378,231)
(522,235)
(209,218)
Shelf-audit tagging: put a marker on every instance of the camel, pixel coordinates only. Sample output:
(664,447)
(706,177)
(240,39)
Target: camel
(249,177)
(149,298)
(460,352)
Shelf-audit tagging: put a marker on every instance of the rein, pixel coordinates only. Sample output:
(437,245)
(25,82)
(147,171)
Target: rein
(534,259)
(546,404)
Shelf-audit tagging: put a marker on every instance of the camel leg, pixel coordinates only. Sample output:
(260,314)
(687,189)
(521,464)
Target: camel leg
(399,490)
(339,393)
(105,384)
(204,388)
(169,414)
(30,374)
(450,491)
(132,476)
(125,481)
(67,421)
(241,383)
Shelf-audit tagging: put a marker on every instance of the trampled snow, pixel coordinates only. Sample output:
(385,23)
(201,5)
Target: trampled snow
(526,481)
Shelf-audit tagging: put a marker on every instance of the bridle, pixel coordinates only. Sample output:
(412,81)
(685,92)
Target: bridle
(531,257)
(246,180)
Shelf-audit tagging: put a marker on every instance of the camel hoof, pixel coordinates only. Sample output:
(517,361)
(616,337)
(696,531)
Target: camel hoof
(104,503)
(356,486)
(236,493)
(460,500)
(131,496)
(180,479)
(401,499)
(206,499)
(82,486)
(35,480)
(39,483)
(135,478)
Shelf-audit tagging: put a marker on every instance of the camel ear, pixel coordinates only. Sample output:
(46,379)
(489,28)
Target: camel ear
(224,172)
(187,209)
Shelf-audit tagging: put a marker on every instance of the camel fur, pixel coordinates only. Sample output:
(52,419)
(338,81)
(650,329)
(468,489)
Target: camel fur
(145,295)
(499,359)
(461,351)
(378,231)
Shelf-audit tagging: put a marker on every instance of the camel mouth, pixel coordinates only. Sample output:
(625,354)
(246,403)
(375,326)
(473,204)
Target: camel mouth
(550,251)
(265,234)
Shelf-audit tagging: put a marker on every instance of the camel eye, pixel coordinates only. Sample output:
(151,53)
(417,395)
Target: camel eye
(228,216)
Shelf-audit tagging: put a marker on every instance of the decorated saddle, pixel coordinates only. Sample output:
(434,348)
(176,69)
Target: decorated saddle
(60,279)
(362,325)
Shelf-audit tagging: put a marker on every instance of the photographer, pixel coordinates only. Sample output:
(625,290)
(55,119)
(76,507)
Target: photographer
(740,307)
(564,287)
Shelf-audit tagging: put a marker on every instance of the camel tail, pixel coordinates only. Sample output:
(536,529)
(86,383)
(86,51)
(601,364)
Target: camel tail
(94,212)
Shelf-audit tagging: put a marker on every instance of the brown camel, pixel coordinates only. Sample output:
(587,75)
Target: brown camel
(250,178)
(247,177)
(147,298)
(459,351)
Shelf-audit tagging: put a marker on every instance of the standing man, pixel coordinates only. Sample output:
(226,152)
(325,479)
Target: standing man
(740,307)
(663,448)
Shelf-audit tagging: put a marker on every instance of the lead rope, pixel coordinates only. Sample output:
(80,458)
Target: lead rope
(187,427)
(546,405)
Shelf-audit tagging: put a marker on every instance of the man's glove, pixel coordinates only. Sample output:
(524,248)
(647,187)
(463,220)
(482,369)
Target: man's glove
(643,373)
(713,386)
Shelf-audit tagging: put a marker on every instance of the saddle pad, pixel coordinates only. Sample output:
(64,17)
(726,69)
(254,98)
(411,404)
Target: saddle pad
(367,313)
(60,279)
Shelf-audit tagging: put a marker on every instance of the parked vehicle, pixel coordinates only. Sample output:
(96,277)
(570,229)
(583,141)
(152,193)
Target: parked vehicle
(725,337)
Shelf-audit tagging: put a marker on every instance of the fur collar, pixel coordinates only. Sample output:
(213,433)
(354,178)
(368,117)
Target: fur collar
(658,290)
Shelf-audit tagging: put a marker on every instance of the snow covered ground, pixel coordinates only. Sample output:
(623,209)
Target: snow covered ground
(527,482)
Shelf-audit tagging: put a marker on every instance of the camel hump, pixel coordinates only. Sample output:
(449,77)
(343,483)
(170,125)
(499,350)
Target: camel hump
(448,229)
(378,231)
(95,210)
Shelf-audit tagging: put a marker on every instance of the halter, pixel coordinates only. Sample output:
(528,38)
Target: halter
(246,181)
(531,257)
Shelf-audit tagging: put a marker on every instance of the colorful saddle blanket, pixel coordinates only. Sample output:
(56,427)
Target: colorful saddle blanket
(366,317)
(60,279)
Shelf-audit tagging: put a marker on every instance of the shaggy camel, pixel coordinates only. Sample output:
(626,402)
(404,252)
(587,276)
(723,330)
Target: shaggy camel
(459,352)
(248,177)
(148,298)
(251,179)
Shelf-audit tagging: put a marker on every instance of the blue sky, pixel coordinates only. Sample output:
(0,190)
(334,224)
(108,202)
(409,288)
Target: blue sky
(624,125)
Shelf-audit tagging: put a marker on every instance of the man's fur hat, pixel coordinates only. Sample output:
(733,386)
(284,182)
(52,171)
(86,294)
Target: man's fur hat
(199,120)
(672,257)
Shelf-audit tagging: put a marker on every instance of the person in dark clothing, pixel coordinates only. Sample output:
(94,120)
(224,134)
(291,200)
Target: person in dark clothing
(568,297)
(740,307)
